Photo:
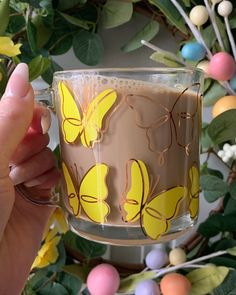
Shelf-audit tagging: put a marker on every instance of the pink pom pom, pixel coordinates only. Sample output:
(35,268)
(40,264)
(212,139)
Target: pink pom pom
(103,279)
(222,66)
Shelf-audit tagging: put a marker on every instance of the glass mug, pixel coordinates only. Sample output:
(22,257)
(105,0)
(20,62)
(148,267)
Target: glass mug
(129,143)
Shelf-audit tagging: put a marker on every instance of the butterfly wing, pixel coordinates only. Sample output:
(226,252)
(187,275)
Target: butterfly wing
(155,118)
(71,118)
(159,212)
(137,192)
(95,115)
(186,112)
(194,192)
(93,193)
(71,191)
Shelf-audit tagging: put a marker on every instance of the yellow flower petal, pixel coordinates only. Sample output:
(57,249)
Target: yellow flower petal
(60,220)
(8,48)
(48,254)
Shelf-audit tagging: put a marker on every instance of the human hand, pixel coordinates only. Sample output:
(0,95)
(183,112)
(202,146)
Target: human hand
(23,144)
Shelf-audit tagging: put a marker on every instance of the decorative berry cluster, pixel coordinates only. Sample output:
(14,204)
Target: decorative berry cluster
(227,153)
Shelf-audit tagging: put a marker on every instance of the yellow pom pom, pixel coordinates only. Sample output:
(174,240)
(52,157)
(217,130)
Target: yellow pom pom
(177,256)
(224,104)
(198,15)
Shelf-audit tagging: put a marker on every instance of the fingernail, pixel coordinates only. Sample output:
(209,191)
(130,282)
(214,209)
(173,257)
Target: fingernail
(32,183)
(45,121)
(18,83)
(15,176)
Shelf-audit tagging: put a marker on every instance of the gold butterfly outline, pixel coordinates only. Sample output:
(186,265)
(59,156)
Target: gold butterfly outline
(163,124)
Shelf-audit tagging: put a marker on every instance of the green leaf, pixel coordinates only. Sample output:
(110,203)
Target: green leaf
(3,78)
(43,32)
(16,23)
(147,33)
(213,187)
(38,279)
(4,15)
(232,23)
(54,288)
(209,36)
(32,33)
(227,287)
(75,21)
(48,74)
(38,66)
(223,127)
(88,248)
(232,251)
(171,13)
(222,260)
(205,170)
(71,283)
(59,264)
(65,5)
(88,47)
(230,207)
(79,271)
(116,13)
(232,189)
(206,141)
(128,284)
(204,280)
(223,33)
(207,84)
(61,45)
(167,58)
(214,92)
(217,223)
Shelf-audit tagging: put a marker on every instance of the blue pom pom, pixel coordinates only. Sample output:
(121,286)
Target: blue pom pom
(193,51)
(233,83)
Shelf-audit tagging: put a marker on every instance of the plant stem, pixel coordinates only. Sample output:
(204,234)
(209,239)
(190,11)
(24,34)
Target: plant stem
(192,262)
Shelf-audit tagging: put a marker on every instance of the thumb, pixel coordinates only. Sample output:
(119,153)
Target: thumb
(16,112)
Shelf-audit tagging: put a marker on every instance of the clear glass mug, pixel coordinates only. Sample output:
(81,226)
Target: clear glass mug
(129,142)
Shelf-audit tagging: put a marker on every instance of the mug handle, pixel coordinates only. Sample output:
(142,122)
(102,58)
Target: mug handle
(46,98)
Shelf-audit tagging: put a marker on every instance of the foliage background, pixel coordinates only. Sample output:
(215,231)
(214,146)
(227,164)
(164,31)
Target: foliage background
(50,28)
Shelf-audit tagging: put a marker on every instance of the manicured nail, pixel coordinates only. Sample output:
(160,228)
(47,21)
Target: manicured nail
(45,121)
(32,182)
(15,175)
(18,83)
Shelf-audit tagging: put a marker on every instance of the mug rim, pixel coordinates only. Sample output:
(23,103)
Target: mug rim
(151,70)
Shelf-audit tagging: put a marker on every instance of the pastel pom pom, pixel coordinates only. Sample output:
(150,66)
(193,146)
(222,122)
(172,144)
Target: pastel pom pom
(224,104)
(175,284)
(233,83)
(156,259)
(147,287)
(198,15)
(225,8)
(222,66)
(177,256)
(103,279)
(193,51)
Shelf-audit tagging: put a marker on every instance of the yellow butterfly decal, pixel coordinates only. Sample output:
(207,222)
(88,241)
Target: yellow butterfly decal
(87,123)
(90,194)
(154,212)
(194,192)
(179,123)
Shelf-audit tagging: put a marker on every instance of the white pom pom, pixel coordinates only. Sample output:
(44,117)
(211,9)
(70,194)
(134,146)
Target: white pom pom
(225,159)
(221,153)
(233,148)
(215,1)
(226,147)
(225,8)
(198,15)
(229,154)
